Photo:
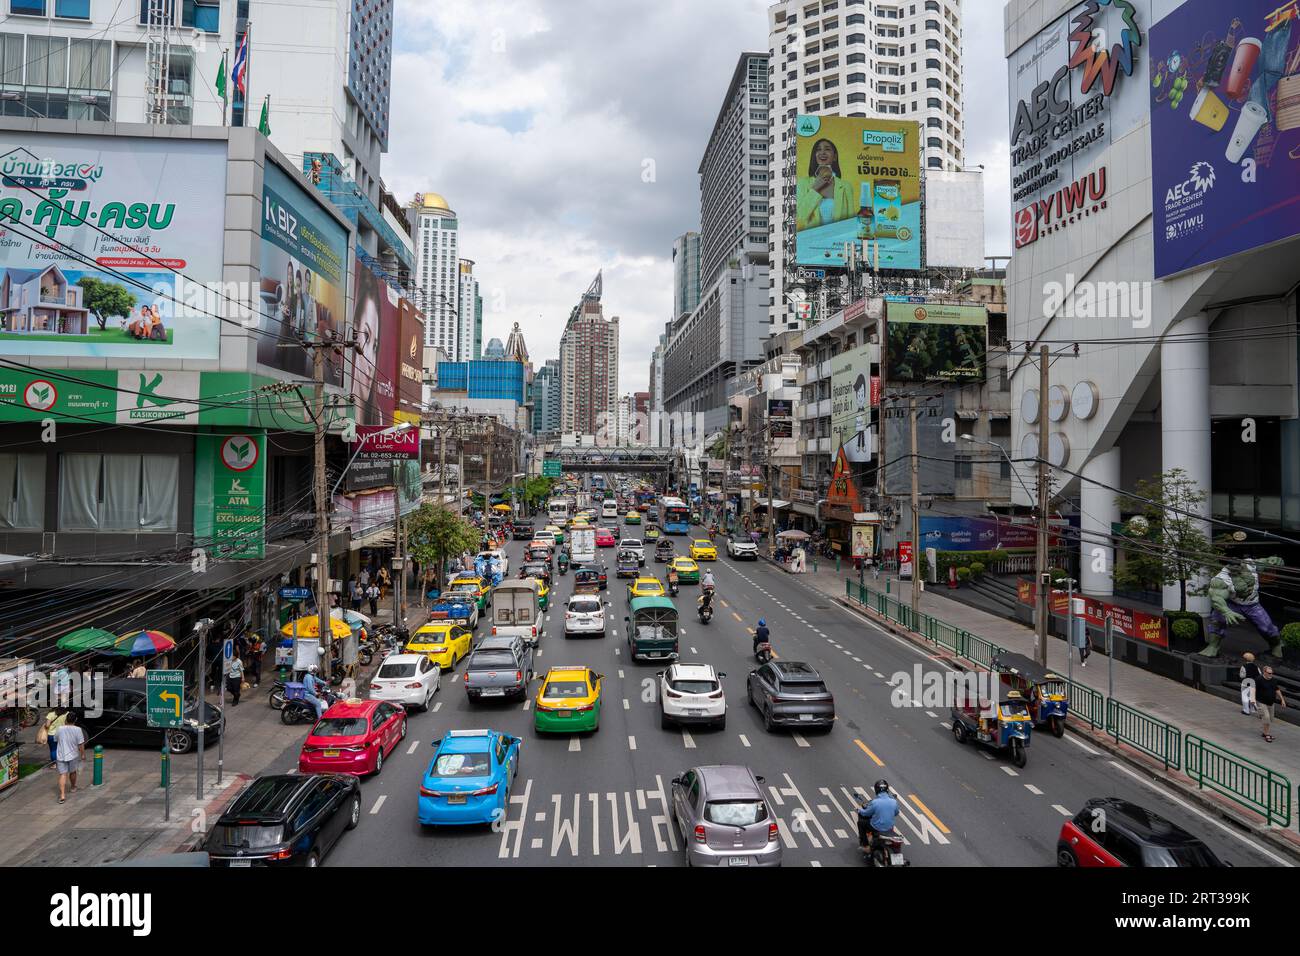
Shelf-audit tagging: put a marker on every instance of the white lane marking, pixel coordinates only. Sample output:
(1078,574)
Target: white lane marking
(1010,771)
(539,653)
(1200,813)
(878,674)
(856,660)
(631,742)
(694,651)
(932,714)
(538,843)
(813,863)
(616,652)
(1034,790)
(986,755)
(437,707)
(620,673)
(379,802)
(527,703)
(626,705)
(1061,810)
(414,744)
(744,741)
(798,738)
(574,744)
(688,741)
(1072,738)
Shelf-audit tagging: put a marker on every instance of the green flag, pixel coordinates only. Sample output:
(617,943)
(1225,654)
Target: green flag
(264,126)
(221,79)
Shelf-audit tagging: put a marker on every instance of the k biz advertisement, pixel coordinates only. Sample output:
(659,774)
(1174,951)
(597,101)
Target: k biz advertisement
(1225,130)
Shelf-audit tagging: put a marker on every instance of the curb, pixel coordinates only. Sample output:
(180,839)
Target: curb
(1283,840)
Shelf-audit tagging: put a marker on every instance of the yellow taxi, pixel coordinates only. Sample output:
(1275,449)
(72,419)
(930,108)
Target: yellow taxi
(688,572)
(472,582)
(445,644)
(703,550)
(645,587)
(568,701)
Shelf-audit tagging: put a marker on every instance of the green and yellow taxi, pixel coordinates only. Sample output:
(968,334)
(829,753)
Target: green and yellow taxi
(645,587)
(688,572)
(445,644)
(568,701)
(702,549)
(632,517)
(474,584)
(556,530)
(652,532)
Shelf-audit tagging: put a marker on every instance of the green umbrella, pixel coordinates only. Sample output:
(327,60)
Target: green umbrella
(87,639)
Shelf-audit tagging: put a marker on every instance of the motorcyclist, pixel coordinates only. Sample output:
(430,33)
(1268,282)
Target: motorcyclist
(672,579)
(564,561)
(313,689)
(761,633)
(706,582)
(878,815)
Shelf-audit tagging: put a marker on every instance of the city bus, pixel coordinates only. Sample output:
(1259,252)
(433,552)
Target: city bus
(674,516)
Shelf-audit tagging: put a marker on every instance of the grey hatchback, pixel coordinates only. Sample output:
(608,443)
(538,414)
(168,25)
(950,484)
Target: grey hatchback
(723,818)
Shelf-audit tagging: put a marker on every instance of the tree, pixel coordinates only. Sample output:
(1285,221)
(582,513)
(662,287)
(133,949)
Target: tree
(434,534)
(537,490)
(105,299)
(1169,545)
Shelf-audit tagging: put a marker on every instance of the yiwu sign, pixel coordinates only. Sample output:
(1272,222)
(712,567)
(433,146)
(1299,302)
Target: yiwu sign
(1074,92)
(1137,625)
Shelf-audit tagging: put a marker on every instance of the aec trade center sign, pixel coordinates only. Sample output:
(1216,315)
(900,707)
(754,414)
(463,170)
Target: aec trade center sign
(1075,89)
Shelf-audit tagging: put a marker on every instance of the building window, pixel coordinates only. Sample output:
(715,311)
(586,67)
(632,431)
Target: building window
(30,8)
(202,15)
(72,9)
(126,493)
(962,466)
(22,492)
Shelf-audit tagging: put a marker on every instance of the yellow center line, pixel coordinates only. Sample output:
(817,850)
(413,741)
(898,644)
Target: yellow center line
(736,616)
(867,750)
(926,810)
(725,604)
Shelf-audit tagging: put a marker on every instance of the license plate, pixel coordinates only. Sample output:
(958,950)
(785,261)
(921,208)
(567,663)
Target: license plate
(694,712)
(564,713)
(242,863)
(738,861)
(494,692)
(805,716)
(895,859)
(331,753)
(456,798)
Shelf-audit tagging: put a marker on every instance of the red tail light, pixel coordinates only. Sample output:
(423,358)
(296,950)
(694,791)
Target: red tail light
(281,855)
(415,686)
(430,793)
(772,832)
(584,708)
(485,792)
(494,631)
(672,694)
(519,675)
(700,836)
(716,695)
(534,630)
(467,677)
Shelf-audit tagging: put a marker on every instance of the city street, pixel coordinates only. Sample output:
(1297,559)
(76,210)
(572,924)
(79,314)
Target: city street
(603,798)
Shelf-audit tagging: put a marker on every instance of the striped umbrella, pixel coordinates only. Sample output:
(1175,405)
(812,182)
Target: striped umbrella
(85,639)
(142,644)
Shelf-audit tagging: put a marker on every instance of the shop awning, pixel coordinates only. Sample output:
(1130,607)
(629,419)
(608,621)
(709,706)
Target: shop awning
(967,415)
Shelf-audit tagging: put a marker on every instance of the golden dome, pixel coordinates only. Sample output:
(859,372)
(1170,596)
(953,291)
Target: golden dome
(433,201)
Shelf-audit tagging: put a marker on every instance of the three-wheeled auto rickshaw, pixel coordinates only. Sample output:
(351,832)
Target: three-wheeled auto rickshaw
(1045,692)
(652,632)
(664,550)
(1004,726)
(586,581)
(628,564)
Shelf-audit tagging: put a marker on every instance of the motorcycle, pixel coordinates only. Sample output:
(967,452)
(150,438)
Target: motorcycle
(564,565)
(706,613)
(763,652)
(276,697)
(302,712)
(884,849)
(673,588)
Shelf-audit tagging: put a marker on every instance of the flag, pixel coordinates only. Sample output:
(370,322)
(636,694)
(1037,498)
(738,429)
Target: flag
(240,73)
(264,125)
(221,78)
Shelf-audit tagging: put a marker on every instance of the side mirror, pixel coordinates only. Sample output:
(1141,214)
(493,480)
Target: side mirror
(721,674)
(659,673)
(434,743)
(626,618)
(678,781)
(761,780)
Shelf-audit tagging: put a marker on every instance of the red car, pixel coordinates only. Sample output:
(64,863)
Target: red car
(1111,832)
(605,538)
(353,737)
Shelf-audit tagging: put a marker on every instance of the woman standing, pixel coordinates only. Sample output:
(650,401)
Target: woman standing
(47,734)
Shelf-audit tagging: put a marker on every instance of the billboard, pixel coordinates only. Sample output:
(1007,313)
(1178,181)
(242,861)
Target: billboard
(230,493)
(410,363)
(373,445)
(935,342)
(858,180)
(372,366)
(851,400)
(1136,625)
(102,240)
(1225,130)
(780,407)
(936,469)
(304,270)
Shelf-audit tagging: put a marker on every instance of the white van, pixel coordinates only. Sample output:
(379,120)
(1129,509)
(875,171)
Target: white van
(609,509)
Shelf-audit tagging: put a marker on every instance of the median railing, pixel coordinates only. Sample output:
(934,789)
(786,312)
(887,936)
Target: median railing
(1252,785)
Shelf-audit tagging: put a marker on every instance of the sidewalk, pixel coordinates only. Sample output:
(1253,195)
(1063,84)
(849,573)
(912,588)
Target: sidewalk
(1190,710)
(123,818)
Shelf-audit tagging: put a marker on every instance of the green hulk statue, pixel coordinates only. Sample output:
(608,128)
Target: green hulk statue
(1234,597)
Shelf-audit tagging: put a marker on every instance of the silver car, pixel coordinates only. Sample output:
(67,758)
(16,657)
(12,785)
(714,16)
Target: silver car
(724,819)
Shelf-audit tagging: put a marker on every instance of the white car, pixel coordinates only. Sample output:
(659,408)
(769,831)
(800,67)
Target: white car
(584,614)
(407,679)
(692,694)
(634,544)
(738,548)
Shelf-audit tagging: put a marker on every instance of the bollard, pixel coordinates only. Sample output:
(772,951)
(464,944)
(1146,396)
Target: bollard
(887,583)
(837,564)
(97,778)
(166,766)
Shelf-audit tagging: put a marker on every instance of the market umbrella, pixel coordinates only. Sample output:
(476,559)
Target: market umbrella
(310,627)
(794,535)
(141,644)
(501,508)
(86,639)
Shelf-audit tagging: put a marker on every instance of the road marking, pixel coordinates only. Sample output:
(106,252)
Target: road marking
(437,707)
(617,654)
(736,616)
(626,705)
(932,714)
(724,603)
(539,652)
(878,674)
(694,651)
(1061,810)
(1034,790)
(798,738)
(1010,771)
(856,660)
(1080,744)
(574,744)
(414,744)
(813,863)
(688,741)
(744,741)
(986,755)
(527,703)
(538,843)
(929,813)
(620,673)
(378,803)
(631,742)
(867,750)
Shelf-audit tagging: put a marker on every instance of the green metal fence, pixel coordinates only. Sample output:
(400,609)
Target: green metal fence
(1086,704)
(1145,733)
(1253,786)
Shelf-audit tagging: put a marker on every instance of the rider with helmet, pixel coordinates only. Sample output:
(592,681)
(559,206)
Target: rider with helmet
(313,689)
(761,633)
(878,815)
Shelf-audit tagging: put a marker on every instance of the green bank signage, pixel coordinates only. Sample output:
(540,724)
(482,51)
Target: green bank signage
(230,493)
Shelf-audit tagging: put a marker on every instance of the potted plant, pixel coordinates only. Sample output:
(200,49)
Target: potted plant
(977,569)
(963,575)
(1186,630)
(1291,644)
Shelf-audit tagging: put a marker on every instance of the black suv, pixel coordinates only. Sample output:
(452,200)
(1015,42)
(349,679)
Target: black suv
(286,820)
(791,694)
(123,720)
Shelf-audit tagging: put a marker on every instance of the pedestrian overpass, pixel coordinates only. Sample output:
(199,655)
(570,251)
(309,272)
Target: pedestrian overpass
(617,458)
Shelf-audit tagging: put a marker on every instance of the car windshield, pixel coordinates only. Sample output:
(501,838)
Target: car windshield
(430,637)
(462,765)
(339,727)
(252,837)
(694,686)
(735,813)
(390,671)
(810,688)
(1192,854)
(565,689)
(584,607)
(1015,709)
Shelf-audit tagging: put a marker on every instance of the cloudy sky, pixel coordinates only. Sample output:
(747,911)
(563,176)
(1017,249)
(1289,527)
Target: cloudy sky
(566,134)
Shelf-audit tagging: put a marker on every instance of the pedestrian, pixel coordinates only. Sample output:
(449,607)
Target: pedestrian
(1268,695)
(354,593)
(256,651)
(384,582)
(1249,674)
(235,678)
(1081,640)
(364,578)
(138,669)
(46,735)
(69,752)
(372,594)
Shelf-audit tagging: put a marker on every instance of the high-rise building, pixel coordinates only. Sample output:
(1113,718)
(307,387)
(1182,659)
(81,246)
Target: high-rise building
(657,391)
(478,323)
(686,273)
(468,305)
(494,350)
(891,60)
(545,398)
(589,369)
(437,270)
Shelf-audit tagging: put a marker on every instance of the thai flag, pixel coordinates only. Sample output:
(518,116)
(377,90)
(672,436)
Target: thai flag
(240,73)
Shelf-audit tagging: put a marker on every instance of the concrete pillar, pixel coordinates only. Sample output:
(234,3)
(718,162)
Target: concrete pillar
(1098,510)
(1185,419)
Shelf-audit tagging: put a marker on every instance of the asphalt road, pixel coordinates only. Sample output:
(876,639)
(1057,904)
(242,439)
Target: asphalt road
(603,798)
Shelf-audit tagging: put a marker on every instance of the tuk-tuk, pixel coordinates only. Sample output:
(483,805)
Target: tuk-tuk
(652,533)
(586,581)
(652,632)
(629,565)
(1045,692)
(1004,726)
(664,550)
(515,608)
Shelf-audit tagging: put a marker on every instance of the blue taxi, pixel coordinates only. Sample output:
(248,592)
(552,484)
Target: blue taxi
(469,779)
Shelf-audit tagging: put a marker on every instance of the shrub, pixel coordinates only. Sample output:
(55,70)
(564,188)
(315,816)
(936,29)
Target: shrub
(963,574)
(1186,630)
(1291,635)
(1058,574)
(977,569)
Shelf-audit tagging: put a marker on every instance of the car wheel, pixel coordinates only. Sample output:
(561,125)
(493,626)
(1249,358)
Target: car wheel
(749,692)
(180,742)
(722,722)
(354,814)
(767,721)
(313,858)
(958,731)
(1065,856)
(379,760)
(403,735)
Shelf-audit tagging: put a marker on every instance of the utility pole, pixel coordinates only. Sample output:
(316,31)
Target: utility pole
(1044,578)
(916,525)
(442,466)
(322,512)
(771,496)
(397,542)
(202,626)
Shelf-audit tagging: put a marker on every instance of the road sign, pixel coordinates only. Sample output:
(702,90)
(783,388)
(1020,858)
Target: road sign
(552,468)
(295,594)
(165,698)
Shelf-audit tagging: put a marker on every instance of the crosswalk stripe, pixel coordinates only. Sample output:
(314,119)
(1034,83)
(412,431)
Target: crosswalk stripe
(378,803)
(574,744)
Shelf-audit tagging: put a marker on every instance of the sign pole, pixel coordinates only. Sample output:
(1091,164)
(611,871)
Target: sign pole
(202,627)
(227,654)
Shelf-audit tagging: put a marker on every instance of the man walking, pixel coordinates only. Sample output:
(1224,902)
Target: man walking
(354,593)
(1268,695)
(235,678)
(372,595)
(69,752)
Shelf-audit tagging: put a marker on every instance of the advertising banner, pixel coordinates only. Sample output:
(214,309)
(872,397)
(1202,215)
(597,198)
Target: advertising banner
(1225,130)
(936,342)
(843,491)
(864,540)
(782,427)
(780,408)
(859,181)
(376,324)
(304,274)
(410,364)
(103,243)
(230,494)
(905,560)
(1075,89)
(851,402)
(373,445)
(1137,625)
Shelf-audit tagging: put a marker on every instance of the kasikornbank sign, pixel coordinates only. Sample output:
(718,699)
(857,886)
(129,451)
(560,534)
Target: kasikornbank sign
(230,494)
